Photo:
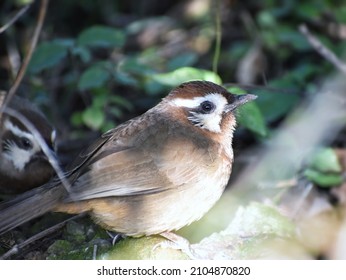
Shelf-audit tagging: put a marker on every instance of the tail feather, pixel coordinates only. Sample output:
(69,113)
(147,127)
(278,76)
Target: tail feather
(28,206)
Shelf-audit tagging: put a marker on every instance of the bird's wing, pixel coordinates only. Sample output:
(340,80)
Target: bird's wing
(122,173)
(141,169)
(88,153)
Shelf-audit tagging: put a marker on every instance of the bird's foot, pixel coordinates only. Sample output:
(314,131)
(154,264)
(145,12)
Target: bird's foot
(114,236)
(176,242)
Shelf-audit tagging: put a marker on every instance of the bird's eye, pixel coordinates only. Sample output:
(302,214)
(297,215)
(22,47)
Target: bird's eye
(25,143)
(207,107)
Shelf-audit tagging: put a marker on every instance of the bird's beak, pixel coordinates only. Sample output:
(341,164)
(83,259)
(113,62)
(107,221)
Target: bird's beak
(240,100)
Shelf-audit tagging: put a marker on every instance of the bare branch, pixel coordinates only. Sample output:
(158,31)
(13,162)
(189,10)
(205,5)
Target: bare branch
(15,18)
(322,50)
(16,249)
(22,70)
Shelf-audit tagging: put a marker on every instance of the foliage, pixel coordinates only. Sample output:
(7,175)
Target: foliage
(324,168)
(98,75)
(95,76)
(97,62)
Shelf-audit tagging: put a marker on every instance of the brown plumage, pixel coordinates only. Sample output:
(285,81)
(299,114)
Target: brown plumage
(155,173)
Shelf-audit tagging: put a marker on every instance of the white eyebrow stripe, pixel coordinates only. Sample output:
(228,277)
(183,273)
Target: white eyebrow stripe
(216,98)
(20,133)
(15,129)
(189,103)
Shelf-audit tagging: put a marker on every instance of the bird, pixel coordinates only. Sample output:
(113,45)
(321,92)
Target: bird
(23,165)
(155,173)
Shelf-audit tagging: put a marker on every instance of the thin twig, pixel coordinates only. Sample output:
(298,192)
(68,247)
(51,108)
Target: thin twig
(94,252)
(321,49)
(15,249)
(15,18)
(24,66)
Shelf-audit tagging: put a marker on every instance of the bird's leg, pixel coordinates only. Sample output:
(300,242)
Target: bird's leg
(114,236)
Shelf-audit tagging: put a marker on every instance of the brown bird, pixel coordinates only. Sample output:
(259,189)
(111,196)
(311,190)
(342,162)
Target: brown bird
(23,165)
(155,173)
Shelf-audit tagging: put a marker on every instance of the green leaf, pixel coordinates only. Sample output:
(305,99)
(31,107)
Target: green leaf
(266,19)
(115,111)
(323,179)
(308,11)
(340,13)
(185,74)
(125,79)
(47,55)
(83,53)
(135,65)
(326,160)
(274,105)
(294,38)
(303,72)
(236,90)
(118,100)
(270,39)
(77,118)
(93,117)
(250,116)
(67,42)
(185,59)
(108,125)
(101,36)
(23,2)
(99,101)
(152,87)
(93,77)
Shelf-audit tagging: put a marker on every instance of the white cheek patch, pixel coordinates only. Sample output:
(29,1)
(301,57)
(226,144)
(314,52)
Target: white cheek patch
(207,121)
(20,157)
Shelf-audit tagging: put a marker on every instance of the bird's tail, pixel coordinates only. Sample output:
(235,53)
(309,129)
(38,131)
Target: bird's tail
(29,205)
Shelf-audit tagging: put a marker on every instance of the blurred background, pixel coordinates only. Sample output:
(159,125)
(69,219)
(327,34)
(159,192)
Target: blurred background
(99,63)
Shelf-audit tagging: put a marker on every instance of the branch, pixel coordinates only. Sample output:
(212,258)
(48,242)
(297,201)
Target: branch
(15,18)
(322,50)
(16,249)
(24,66)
